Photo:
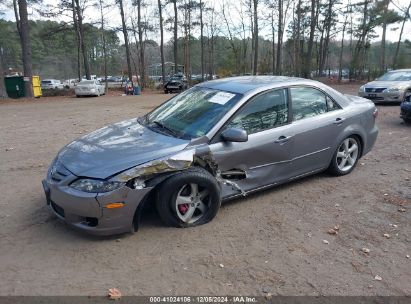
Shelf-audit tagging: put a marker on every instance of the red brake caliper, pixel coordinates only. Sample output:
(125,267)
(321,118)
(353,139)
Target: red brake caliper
(183,208)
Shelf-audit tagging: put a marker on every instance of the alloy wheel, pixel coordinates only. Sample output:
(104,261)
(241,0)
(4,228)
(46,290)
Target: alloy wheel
(192,202)
(347,154)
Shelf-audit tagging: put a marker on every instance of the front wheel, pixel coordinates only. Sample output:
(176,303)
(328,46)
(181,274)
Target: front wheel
(345,157)
(188,199)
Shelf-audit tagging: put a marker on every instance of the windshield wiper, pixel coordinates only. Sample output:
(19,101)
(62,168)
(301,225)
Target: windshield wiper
(163,126)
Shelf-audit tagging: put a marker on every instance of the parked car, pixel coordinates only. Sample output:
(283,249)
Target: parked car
(51,84)
(176,84)
(393,86)
(89,88)
(218,140)
(406,110)
(70,83)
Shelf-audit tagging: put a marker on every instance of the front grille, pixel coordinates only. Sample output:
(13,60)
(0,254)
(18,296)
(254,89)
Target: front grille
(57,209)
(374,90)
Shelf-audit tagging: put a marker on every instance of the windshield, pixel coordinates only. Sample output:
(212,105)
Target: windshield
(192,113)
(46,82)
(396,76)
(87,82)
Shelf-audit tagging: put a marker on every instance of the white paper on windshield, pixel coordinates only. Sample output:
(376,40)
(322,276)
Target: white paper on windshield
(221,98)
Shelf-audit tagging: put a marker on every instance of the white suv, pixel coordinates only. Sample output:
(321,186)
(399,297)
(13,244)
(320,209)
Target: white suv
(51,84)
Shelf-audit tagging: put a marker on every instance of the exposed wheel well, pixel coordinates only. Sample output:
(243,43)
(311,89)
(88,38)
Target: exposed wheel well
(360,139)
(156,183)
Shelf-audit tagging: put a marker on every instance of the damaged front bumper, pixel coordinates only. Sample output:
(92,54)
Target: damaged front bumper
(88,212)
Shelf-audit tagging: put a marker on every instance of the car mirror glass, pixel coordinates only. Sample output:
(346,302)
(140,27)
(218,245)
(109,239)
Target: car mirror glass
(234,135)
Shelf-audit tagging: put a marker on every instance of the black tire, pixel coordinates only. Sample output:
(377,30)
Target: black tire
(166,197)
(78,96)
(334,168)
(407,121)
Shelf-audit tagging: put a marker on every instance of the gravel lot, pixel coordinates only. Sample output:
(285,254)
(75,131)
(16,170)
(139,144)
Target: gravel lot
(268,242)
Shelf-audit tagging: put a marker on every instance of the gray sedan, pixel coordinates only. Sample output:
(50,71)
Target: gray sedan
(394,86)
(216,141)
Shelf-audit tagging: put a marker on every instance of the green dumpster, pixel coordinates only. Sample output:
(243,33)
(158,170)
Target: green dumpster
(15,86)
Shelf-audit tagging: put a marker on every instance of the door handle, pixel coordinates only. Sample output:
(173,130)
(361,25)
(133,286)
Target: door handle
(282,139)
(339,121)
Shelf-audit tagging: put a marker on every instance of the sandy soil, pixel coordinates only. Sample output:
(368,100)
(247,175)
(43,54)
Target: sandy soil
(268,242)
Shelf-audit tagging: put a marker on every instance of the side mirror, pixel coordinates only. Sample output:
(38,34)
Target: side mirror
(234,135)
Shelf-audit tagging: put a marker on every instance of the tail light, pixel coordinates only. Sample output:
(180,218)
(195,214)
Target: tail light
(375,113)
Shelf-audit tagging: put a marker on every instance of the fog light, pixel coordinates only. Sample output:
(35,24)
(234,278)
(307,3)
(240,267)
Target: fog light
(115,205)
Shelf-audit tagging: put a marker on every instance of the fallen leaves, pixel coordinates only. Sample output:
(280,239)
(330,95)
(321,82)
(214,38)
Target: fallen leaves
(332,231)
(114,294)
(377,278)
(365,250)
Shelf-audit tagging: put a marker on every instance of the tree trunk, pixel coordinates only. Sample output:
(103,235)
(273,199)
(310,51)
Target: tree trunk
(25,47)
(163,71)
(360,45)
(313,22)
(341,51)
(298,50)
(255,64)
(397,48)
(202,39)
(280,37)
(175,32)
(384,32)
(126,43)
(82,42)
(141,46)
(324,47)
(103,36)
(3,92)
(78,37)
(273,42)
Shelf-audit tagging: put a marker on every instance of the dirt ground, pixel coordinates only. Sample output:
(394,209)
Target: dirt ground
(272,241)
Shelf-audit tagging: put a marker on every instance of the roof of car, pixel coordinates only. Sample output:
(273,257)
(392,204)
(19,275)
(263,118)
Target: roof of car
(245,84)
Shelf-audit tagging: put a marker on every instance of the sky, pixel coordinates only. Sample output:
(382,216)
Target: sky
(112,15)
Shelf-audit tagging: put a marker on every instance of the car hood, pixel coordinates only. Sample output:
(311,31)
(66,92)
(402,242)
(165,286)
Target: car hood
(386,84)
(116,148)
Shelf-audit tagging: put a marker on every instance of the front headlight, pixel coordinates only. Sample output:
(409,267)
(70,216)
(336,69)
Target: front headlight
(392,90)
(362,89)
(95,185)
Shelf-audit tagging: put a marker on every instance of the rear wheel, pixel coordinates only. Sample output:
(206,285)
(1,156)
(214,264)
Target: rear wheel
(188,199)
(346,156)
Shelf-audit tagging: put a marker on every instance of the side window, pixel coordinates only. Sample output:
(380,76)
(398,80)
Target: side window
(267,110)
(308,102)
(331,104)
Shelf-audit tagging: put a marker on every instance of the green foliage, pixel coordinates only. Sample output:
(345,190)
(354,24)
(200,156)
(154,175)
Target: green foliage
(54,49)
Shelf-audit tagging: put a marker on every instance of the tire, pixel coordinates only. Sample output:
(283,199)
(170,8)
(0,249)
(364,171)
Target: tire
(175,203)
(78,96)
(407,121)
(346,156)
